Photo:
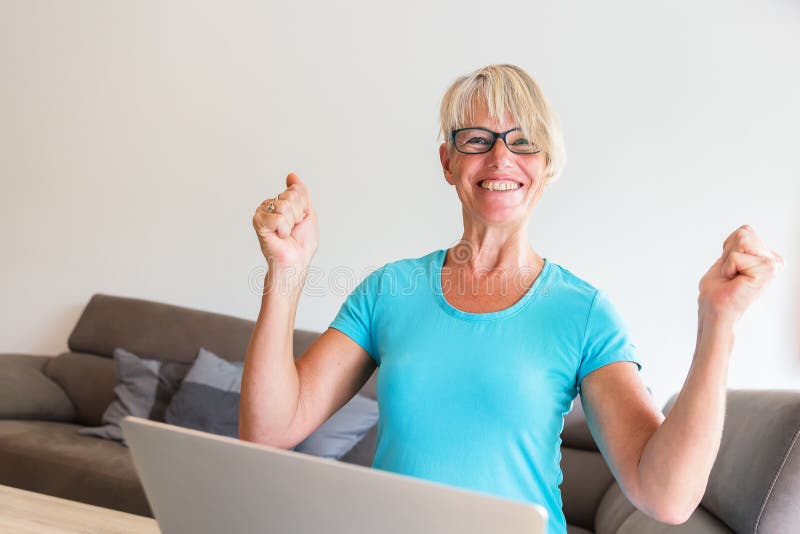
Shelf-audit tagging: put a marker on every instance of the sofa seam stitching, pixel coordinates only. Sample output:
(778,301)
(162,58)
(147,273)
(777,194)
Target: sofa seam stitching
(775,480)
(628,518)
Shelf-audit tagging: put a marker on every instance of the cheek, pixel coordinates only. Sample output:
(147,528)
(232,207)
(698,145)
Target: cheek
(458,171)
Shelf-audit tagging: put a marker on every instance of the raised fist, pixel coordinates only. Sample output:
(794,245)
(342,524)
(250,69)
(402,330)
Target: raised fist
(738,277)
(286,226)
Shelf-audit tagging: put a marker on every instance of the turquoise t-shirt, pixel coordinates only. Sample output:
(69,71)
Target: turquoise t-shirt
(477,400)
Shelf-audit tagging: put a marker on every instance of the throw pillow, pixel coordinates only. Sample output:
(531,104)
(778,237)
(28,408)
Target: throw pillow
(208,400)
(343,430)
(144,390)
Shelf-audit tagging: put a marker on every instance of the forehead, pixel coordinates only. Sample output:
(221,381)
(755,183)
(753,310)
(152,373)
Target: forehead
(479,115)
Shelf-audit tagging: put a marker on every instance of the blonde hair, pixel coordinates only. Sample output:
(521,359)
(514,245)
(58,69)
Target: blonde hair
(506,88)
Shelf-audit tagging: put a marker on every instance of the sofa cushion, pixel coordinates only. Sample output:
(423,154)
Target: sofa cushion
(27,393)
(586,480)
(144,390)
(616,515)
(613,510)
(88,381)
(208,397)
(701,522)
(575,433)
(51,458)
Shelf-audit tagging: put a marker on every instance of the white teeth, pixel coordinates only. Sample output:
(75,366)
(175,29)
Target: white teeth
(498,186)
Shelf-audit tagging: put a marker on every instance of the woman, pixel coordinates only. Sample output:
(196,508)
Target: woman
(484,346)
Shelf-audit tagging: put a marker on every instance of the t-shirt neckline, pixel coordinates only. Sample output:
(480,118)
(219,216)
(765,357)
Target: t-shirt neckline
(435,272)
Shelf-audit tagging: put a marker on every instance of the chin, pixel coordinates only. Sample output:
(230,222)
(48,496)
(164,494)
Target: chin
(510,216)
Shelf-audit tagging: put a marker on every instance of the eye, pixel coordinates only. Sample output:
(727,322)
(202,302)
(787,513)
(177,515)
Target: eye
(478,141)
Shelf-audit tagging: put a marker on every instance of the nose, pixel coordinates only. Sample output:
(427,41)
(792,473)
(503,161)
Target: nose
(500,155)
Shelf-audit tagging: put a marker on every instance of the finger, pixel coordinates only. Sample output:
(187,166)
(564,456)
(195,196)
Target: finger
(739,263)
(292,180)
(264,221)
(735,237)
(265,224)
(294,203)
(283,229)
(287,210)
(744,239)
(281,220)
(293,183)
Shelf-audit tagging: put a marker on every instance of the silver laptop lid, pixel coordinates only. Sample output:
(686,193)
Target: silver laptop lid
(203,483)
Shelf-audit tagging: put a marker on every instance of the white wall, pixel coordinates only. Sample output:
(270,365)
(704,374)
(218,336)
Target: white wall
(137,139)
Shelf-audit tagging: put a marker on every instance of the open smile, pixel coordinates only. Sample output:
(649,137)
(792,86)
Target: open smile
(499,185)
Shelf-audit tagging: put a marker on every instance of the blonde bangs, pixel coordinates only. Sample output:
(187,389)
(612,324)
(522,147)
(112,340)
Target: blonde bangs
(506,89)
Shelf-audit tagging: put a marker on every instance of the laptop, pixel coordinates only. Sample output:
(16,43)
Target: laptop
(201,483)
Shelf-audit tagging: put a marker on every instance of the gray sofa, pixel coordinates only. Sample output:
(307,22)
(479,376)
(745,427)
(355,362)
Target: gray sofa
(754,486)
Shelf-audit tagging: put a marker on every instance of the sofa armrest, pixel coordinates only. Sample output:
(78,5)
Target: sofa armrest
(27,393)
(755,482)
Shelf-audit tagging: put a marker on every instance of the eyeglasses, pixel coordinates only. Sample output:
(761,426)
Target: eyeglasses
(481,140)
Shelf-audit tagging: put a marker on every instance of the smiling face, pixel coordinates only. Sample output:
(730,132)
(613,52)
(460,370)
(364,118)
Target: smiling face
(498,187)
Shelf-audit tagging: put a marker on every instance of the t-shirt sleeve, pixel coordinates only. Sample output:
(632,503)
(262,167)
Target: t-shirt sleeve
(606,339)
(355,316)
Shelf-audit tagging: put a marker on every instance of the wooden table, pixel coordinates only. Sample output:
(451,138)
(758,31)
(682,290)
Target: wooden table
(27,512)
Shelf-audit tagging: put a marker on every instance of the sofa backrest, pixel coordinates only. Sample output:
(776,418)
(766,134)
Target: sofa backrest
(158,330)
(151,330)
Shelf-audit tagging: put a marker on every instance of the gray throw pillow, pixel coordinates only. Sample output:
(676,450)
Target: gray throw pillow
(343,430)
(208,400)
(144,390)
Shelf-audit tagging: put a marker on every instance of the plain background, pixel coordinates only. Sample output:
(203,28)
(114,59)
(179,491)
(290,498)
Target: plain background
(138,138)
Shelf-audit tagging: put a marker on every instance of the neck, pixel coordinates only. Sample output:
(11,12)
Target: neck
(486,248)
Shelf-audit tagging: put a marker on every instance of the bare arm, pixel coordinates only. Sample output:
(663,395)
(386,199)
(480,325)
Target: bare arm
(663,464)
(282,400)
(676,462)
(270,383)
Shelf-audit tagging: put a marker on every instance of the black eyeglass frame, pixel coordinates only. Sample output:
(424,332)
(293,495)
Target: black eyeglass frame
(495,135)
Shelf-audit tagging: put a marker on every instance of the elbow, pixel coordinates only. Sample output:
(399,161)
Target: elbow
(245,434)
(266,431)
(264,438)
(673,503)
(670,509)
(673,518)
(673,514)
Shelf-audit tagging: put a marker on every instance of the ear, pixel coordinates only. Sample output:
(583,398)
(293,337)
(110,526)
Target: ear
(444,157)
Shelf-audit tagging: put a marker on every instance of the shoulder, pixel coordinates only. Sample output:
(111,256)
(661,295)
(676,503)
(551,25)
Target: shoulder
(411,264)
(601,318)
(583,298)
(569,287)
(406,268)
(398,273)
